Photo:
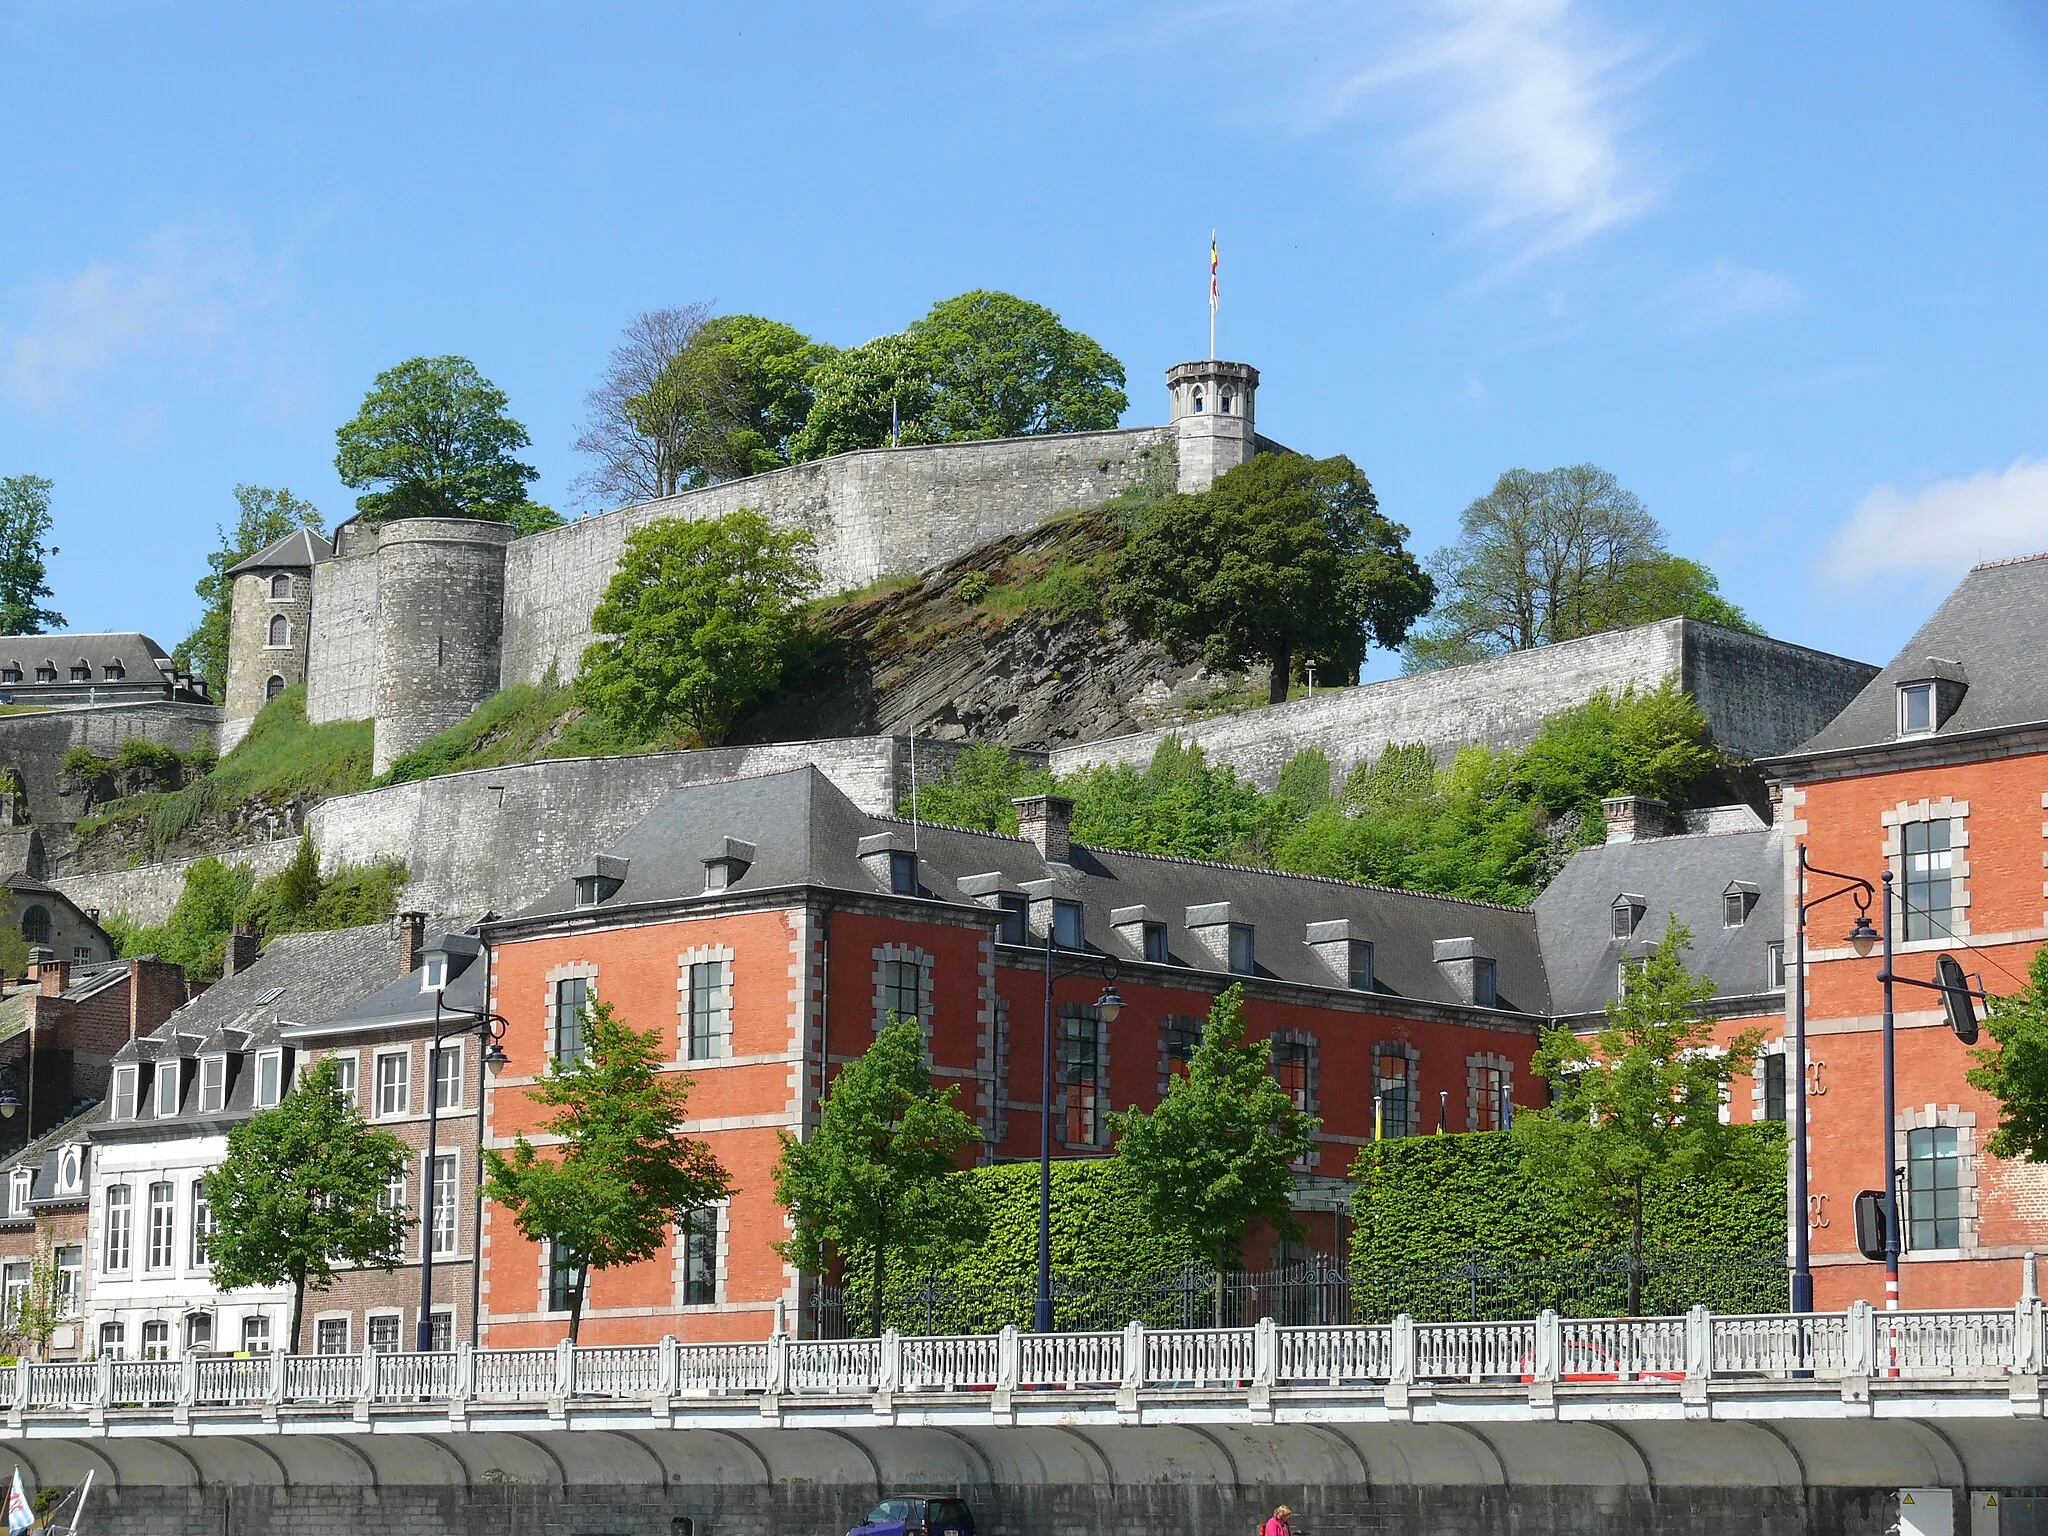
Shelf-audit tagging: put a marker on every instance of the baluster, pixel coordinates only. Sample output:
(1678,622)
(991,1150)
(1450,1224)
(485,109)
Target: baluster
(889,1362)
(22,1374)
(1404,1349)
(565,1370)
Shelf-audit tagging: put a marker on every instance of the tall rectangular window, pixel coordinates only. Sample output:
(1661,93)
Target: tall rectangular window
(448,1076)
(1934,1188)
(70,1279)
(1080,1055)
(382,1330)
(710,1006)
(330,1336)
(1290,1069)
(156,1340)
(1155,943)
(14,1281)
(1390,1088)
(1774,1088)
(269,1078)
(1929,863)
(1243,953)
(1774,966)
(441,1331)
(1179,1038)
(1484,992)
(572,995)
(1493,1097)
(167,1073)
(446,1189)
(345,1078)
(700,1259)
(202,1225)
(163,1210)
(113,1341)
(563,1276)
(120,1234)
(903,990)
(1013,927)
(124,1093)
(256,1335)
(1067,928)
(1361,965)
(391,1198)
(213,1084)
(394,1084)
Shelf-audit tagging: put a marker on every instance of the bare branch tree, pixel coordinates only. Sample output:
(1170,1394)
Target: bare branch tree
(638,443)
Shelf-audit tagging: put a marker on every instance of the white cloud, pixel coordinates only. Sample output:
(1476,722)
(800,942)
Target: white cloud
(1726,292)
(1946,527)
(1475,390)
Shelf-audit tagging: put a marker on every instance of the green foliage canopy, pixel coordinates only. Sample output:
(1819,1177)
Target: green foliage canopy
(262,517)
(2014,1069)
(434,434)
(728,403)
(25,553)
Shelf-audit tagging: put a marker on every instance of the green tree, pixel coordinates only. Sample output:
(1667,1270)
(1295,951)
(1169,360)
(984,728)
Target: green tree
(1638,1105)
(195,934)
(977,789)
(2014,1069)
(36,1312)
(297,1194)
(1219,1151)
(734,397)
(433,433)
(1181,805)
(699,619)
(25,556)
(623,1174)
(262,517)
(1553,556)
(1283,558)
(639,449)
(876,1178)
(870,396)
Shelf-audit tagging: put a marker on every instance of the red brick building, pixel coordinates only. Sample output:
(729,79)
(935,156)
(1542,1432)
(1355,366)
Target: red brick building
(1938,773)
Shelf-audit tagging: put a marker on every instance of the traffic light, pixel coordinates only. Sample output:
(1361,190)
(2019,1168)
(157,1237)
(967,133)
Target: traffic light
(1957,998)
(1870,1224)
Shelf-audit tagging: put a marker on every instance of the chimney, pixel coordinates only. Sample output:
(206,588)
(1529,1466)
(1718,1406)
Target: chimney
(53,976)
(243,948)
(156,989)
(1045,821)
(412,938)
(1631,818)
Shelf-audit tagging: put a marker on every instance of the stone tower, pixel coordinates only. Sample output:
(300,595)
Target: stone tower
(269,628)
(1212,419)
(440,604)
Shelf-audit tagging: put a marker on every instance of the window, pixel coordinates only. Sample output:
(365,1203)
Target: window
(1243,958)
(35,925)
(1291,1069)
(199,1332)
(280,585)
(1774,1087)
(256,1335)
(700,1259)
(1916,709)
(113,672)
(330,1336)
(273,688)
(1484,994)
(1080,1055)
(120,1233)
(1934,1194)
(1223,403)
(163,1222)
(213,1083)
(269,1078)
(47,672)
(14,1281)
(710,1009)
(1626,914)
(280,630)
(394,1084)
(156,1340)
(167,1075)
(572,995)
(70,1279)
(20,1186)
(202,1225)
(1067,930)
(81,954)
(436,969)
(1774,966)
(344,1078)
(563,1278)
(1361,965)
(902,990)
(392,1198)
(448,1076)
(445,1190)
(68,1165)
(124,1093)
(902,872)
(1198,399)
(441,1332)
(1390,1089)
(383,1329)
(1627,966)
(1492,1108)
(113,1341)
(82,673)
(1734,907)
(1930,862)
(1013,927)
(1179,1036)
(1155,943)
(10,674)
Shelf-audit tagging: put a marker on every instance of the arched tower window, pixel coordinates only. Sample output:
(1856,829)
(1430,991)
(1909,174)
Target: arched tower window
(1225,406)
(280,585)
(1198,399)
(280,630)
(274,687)
(35,925)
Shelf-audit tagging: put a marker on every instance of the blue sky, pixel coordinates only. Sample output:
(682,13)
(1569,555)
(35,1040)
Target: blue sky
(1780,268)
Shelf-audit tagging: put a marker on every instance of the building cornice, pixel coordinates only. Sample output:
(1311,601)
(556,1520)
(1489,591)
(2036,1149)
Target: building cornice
(1936,751)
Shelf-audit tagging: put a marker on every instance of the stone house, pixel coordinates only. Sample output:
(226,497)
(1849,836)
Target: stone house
(92,669)
(52,922)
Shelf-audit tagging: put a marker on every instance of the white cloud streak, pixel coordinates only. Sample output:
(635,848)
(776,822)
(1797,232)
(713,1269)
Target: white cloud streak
(1946,527)
(1728,292)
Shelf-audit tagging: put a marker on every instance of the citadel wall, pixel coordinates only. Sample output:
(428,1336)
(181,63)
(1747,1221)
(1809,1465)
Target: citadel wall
(256,603)
(341,671)
(1761,696)
(36,744)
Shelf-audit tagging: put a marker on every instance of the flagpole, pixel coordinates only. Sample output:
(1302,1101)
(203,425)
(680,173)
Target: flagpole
(1212,295)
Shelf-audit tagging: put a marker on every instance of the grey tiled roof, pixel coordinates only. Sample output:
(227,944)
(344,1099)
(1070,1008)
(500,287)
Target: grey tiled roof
(1990,626)
(404,1001)
(42,1155)
(295,551)
(140,657)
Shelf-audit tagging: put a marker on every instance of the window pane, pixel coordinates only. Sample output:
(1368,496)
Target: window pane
(710,1009)
(571,996)
(1066,925)
(330,1336)
(448,1077)
(446,1187)
(1080,1058)
(700,1259)
(1010,928)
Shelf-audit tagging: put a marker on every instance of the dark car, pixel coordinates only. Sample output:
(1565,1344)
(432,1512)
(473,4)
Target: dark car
(929,1514)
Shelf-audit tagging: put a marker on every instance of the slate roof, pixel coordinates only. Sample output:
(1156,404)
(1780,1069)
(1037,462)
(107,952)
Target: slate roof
(1990,626)
(141,658)
(296,551)
(1687,875)
(808,833)
(407,1001)
(44,1155)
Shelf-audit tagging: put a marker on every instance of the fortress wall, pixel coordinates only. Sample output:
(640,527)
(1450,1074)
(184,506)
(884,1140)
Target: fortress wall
(341,670)
(1761,696)
(440,610)
(876,513)
(146,893)
(36,743)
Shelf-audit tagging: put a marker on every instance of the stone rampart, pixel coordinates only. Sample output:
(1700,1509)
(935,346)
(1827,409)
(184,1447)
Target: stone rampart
(146,893)
(342,664)
(36,743)
(440,614)
(1761,696)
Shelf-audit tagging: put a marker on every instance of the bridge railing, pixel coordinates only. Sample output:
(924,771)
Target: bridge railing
(1697,1347)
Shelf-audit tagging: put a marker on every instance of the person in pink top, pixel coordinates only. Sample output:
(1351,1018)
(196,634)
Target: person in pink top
(1278,1526)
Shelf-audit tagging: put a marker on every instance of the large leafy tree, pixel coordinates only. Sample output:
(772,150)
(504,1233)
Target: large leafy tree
(622,1173)
(1638,1105)
(25,553)
(875,1178)
(2014,1070)
(639,449)
(1219,1151)
(871,396)
(433,434)
(1552,556)
(698,619)
(297,1194)
(262,517)
(737,394)
(1283,558)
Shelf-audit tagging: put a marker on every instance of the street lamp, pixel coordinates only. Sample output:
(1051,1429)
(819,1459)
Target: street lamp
(1109,1005)
(491,1028)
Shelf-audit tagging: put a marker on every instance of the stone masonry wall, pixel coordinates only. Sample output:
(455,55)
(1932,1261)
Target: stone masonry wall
(874,513)
(252,660)
(341,671)
(440,611)
(1761,696)
(36,743)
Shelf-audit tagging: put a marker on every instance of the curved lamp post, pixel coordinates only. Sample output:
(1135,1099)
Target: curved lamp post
(489,1027)
(1109,1005)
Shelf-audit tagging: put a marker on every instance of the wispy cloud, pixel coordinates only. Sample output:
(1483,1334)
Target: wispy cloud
(1726,292)
(1945,527)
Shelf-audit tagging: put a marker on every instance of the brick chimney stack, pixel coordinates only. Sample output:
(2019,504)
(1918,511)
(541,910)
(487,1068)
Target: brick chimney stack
(412,939)
(1631,818)
(1045,821)
(53,977)
(242,952)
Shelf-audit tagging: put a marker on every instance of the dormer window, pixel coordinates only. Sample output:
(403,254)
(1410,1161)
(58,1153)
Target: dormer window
(114,671)
(213,1084)
(1014,926)
(166,1089)
(902,872)
(727,867)
(599,880)
(1155,943)
(68,1169)
(1243,954)
(82,673)
(47,672)
(11,673)
(23,1183)
(436,969)
(1066,925)
(269,1078)
(124,1092)
(1916,709)
(1628,911)
(1484,993)
(1736,902)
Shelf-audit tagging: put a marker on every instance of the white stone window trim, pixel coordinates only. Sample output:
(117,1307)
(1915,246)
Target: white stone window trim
(1413,1056)
(569,970)
(883,954)
(377,1060)
(1476,1067)
(1103,1101)
(348,1331)
(1964,1123)
(686,962)
(1757,1103)
(1957,814)
(721,1214)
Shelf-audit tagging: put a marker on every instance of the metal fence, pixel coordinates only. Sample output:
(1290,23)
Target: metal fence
(1320,1292)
